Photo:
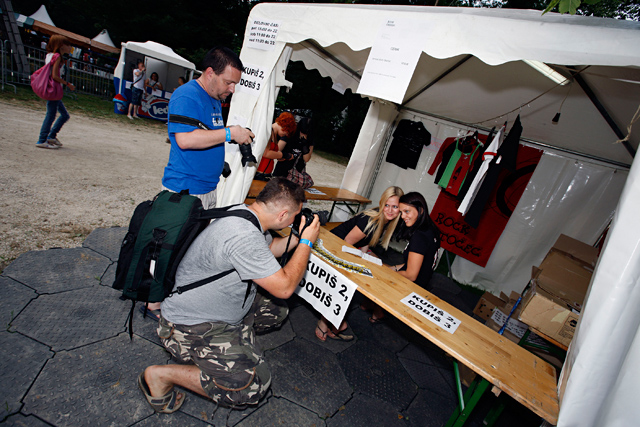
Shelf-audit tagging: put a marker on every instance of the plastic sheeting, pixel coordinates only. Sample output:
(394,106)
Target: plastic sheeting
(599,383)
(564,196)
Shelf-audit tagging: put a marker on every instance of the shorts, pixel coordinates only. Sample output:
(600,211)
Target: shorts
(233,371)
(136,96)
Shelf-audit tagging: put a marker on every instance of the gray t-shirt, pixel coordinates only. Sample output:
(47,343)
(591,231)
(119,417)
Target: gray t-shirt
(226,243)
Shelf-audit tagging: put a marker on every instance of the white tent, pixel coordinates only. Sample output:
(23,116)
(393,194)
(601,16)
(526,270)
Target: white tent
(104,38)
(471,75)
(43,16)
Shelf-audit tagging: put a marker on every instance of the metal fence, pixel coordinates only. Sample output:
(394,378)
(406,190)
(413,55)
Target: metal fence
(88,78)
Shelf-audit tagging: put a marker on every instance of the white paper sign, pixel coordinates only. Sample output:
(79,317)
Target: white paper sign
(263,34)
(393,59)
(514,326)
(252,80)
(365,256)
(431,312)
(326,289)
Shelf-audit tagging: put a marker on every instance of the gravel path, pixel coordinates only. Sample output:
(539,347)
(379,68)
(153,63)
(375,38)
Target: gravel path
(55,198)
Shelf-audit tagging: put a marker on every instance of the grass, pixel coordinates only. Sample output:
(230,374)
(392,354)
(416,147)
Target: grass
(86,105)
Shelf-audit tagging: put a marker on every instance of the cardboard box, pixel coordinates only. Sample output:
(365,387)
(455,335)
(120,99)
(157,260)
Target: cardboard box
(558,287)
(488,302)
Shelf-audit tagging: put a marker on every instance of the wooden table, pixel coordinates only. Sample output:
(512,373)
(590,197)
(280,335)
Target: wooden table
(509,367)
(335,195)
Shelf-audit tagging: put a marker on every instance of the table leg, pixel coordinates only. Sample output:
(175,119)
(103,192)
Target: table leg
(470,400)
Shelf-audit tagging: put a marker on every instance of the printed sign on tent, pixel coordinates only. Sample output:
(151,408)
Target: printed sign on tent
(326,289)
(252,80)
(393,59)
(263,34)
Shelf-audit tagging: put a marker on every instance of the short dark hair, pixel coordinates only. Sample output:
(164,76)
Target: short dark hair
(219,58)
(282,191)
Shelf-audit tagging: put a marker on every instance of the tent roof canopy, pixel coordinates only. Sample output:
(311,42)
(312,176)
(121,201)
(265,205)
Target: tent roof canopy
(159,51)
(43,16)
(471,68)
(104,38)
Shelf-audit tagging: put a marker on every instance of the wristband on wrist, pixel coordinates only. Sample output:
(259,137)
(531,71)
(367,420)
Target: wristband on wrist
(227,134)
(306,242)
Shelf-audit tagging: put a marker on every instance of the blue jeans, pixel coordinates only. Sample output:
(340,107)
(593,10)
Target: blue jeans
(47,132)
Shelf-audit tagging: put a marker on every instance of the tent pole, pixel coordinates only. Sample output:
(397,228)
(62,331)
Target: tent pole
(603,111)
(437,79)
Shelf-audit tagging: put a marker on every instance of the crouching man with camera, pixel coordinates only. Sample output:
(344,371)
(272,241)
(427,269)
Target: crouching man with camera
(211,330)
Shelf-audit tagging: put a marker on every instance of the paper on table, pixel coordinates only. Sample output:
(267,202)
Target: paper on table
(314,191)
(362,255)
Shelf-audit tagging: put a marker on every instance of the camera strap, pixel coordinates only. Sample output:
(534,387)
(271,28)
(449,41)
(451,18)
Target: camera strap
(184,120)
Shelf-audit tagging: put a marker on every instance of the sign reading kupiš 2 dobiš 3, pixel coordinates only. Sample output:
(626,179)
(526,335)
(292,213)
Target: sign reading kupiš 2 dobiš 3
(326,289)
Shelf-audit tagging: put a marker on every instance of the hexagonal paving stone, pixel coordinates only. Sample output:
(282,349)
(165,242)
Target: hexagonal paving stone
(304,320)
(366,411)
(19,420)
(21,359)
(431,409)
(94,385)
(375,371)
(177,419)
(308,375)
(429,367)
(389,333)
(58,270)
(280,412)
(205,410)
(14,297)
(106,241)
(275,338)
(109,276)
(70,319)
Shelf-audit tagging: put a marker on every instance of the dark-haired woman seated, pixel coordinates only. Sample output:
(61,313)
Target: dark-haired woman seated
(423,236)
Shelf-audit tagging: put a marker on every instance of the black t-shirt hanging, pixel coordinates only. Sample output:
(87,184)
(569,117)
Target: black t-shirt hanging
(508,155)
(408,140)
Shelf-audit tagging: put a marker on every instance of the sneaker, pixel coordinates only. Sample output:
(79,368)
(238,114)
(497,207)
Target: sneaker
(54,141)
(130,117)
(47,145)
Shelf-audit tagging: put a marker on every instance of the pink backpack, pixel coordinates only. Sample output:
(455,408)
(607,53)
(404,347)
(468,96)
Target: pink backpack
(43,84)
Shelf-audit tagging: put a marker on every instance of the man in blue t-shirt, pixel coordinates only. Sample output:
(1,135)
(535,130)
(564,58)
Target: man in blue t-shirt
(197,155)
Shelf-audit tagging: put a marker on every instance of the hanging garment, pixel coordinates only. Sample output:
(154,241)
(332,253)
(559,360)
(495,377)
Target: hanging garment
(408,140)
(506,159)
(477,161)
(460,170)
(489,154)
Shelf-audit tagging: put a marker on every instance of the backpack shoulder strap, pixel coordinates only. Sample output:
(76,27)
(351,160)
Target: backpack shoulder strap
(212,214)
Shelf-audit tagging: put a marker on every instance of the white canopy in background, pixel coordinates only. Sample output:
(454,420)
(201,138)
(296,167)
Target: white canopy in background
(470,75)
(158,51)
(104,38)
(43,16)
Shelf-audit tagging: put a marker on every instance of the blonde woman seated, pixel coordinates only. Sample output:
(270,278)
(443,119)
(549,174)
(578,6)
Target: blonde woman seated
(371,228)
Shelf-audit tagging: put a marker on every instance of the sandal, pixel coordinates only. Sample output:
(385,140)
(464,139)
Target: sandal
(166,404)
(152,314)
(322,336)
(376,320)
(340,336)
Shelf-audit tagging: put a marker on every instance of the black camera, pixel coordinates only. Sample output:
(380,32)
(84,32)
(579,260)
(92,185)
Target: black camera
(323,216)
(247,154)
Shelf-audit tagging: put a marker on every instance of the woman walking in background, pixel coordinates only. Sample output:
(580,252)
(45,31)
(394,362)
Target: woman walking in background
(58,45)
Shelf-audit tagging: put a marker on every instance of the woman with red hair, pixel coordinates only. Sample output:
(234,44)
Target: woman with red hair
(281,129)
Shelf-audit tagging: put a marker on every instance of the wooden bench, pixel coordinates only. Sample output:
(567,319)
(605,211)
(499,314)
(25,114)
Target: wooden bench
(509,367)
(330,194)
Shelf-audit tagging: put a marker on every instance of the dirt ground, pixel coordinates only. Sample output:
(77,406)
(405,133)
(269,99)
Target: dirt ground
(55,198)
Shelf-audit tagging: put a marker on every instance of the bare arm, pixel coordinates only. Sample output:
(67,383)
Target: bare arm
(201,138)
(354,236)
(55,74)
(282,283)
(307,156)
(414,263)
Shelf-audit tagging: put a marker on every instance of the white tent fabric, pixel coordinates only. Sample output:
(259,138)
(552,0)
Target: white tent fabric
(43,16)
(600,376)
(158,51)
(336,39)
(104,38)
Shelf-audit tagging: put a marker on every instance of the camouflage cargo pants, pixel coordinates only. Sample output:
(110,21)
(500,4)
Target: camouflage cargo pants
(233,371)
